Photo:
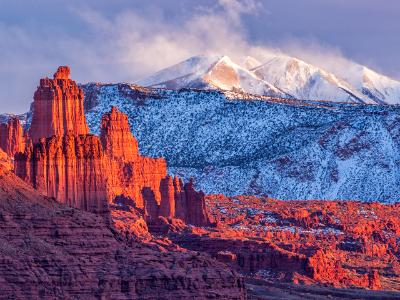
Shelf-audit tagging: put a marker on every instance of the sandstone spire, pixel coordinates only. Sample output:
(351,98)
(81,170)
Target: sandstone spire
(58,107)
(12,138)
(167,205)
(88,172)
(116,136)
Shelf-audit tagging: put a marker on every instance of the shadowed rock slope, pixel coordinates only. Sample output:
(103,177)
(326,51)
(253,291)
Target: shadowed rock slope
(49,251)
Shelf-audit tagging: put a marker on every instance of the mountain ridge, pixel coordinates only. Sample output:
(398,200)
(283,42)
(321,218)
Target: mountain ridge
(279,76)
(285,148)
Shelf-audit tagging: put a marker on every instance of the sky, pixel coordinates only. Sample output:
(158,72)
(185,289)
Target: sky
(126,40)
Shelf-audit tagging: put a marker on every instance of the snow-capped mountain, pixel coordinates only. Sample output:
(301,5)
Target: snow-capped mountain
(287,149)
(210,72)
(279,75)
(305,81)
(378,87)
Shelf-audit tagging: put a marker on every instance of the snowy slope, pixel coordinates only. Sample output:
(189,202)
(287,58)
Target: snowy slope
(184,74)
(250,63)
(305,81)
(280,75)
(210,72)
(286,149)
(376,86)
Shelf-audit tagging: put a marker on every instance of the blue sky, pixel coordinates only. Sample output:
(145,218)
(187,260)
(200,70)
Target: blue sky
(124,40)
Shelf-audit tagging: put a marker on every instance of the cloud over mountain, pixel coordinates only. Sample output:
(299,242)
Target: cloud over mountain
(126,42)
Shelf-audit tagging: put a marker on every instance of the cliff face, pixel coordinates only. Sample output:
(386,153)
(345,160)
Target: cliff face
(177,201)
(68,168)
(128,171)
(12,137)
(88,172)
(116,136)
(58,107)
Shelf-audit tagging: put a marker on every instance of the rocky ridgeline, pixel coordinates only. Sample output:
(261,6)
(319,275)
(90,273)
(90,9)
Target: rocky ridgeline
(61,160)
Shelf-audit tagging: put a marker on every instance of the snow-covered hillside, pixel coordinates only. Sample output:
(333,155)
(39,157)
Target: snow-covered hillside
(279,75)
(287,149)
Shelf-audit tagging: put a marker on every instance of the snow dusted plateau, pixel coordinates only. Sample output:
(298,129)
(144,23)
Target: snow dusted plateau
(234,143)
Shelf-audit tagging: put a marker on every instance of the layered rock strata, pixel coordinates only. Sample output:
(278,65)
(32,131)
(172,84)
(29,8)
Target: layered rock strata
(69,168)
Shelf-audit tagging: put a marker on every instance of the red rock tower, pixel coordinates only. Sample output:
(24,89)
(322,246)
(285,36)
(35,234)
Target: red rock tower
(64,161)
(167,205)
(58,107)
(12,138)
(116,136)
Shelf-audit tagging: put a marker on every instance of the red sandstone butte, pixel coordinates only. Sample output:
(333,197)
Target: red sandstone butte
(128,173)
(12,138)
(88,172)
(58,107)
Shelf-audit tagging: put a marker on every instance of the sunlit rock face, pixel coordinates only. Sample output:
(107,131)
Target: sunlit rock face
(12,139)
(116,136)
(127,171)
(58,107)
(87,171)
(69,168)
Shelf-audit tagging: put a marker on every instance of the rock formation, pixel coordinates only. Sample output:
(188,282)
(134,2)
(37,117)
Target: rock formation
(88,172)
(12,138)
(5,162)
(178,201)
(67,167)
(128,171)
(167,205)
(51,251)
(116,136)
(343,244)
(57,107)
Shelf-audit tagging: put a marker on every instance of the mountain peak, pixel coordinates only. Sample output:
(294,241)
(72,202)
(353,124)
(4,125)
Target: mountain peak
(280,75)
(211,72)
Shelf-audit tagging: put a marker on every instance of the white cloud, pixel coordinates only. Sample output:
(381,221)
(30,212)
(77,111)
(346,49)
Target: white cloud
(236,8)
(130,45)
(141,45)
